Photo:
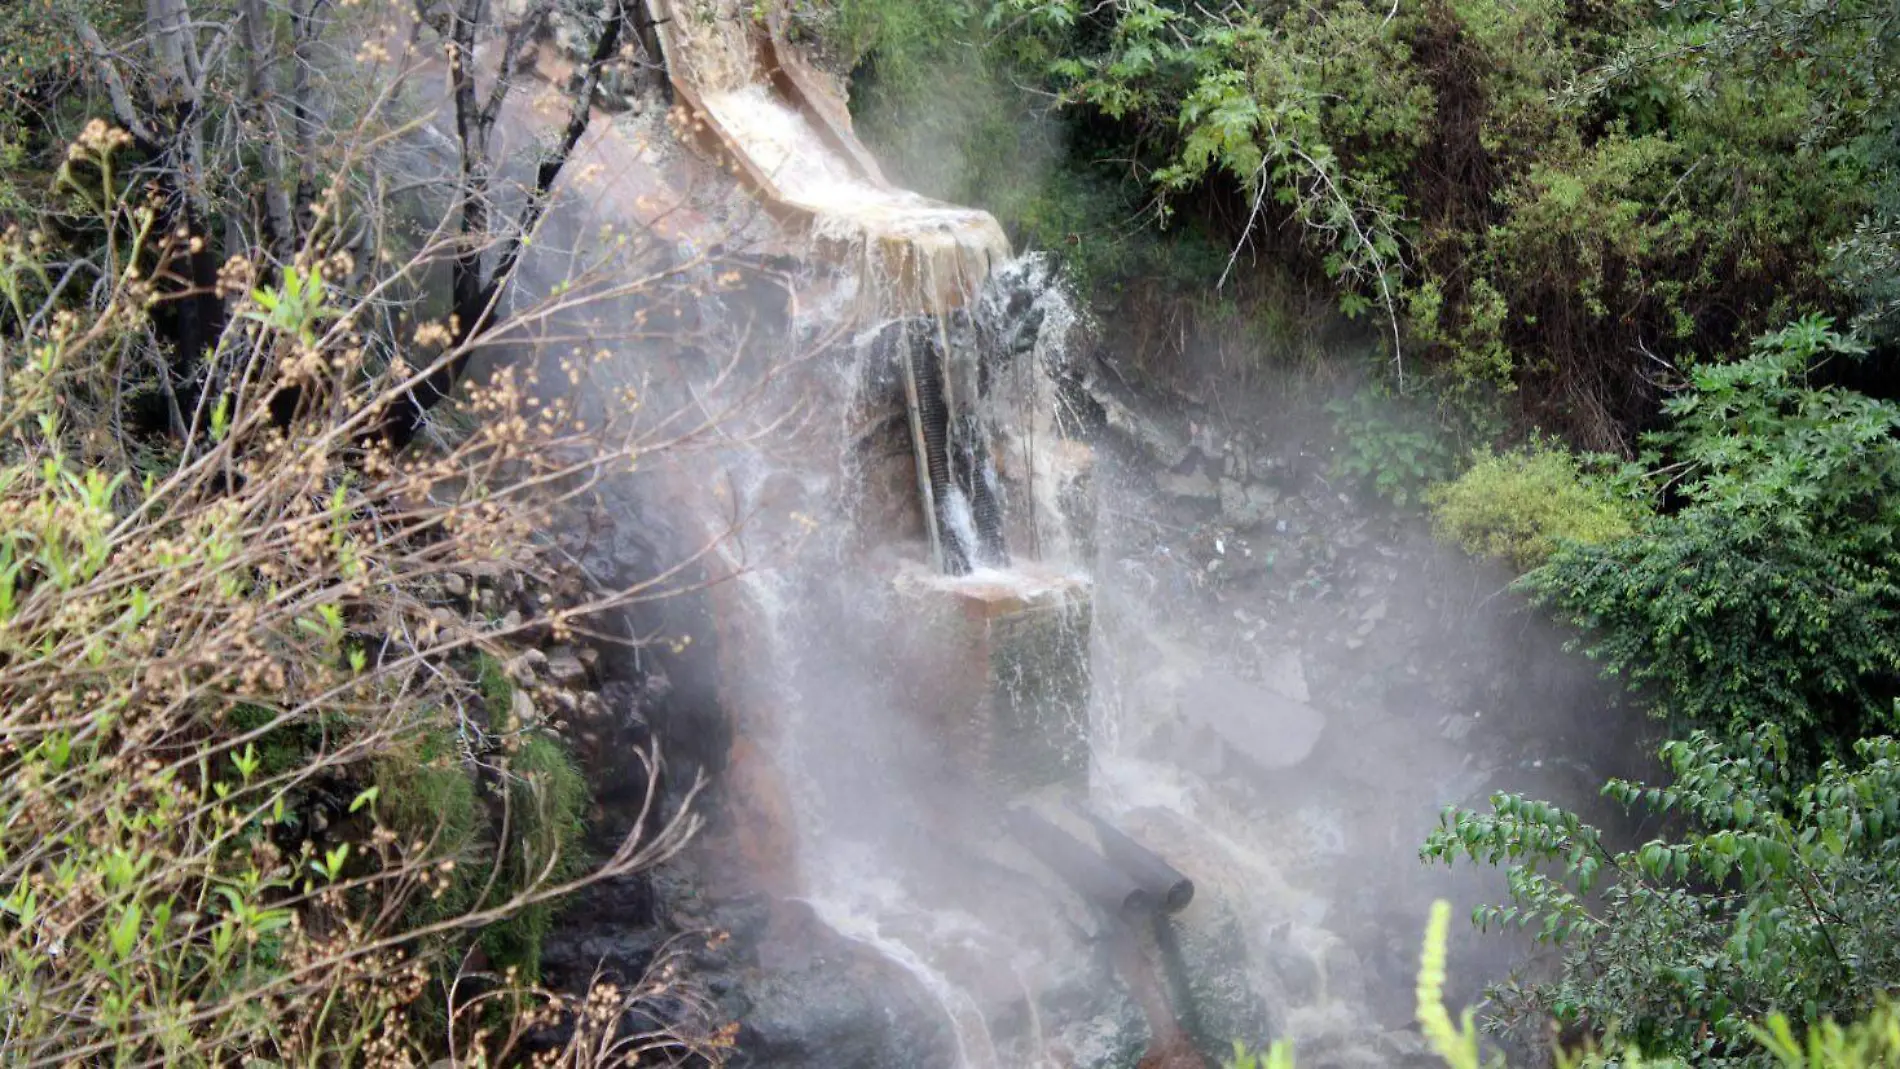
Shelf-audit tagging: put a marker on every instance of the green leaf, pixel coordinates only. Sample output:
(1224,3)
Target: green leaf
(125,932)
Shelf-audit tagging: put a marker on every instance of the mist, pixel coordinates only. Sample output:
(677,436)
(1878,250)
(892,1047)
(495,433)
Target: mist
(1180,622)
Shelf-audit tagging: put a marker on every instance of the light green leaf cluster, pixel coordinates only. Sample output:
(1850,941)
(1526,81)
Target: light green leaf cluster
(1520,506)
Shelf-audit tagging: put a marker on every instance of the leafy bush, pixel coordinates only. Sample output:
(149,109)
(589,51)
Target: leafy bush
(1519,506)
(1761,610)
(1388,447)
(1520,194)
(217,656)
(1773,594)
(548,801)
(1865,1043)
(1780,896)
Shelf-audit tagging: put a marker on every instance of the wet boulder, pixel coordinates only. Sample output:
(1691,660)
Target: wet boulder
(1218,994)
(806,997)
(1260,726)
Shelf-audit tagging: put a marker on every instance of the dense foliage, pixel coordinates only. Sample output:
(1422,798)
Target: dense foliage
(1756,610)
(1779,896)
(1772,594)
(273,787)
(1567,196)
(244,744)
(1863,1043)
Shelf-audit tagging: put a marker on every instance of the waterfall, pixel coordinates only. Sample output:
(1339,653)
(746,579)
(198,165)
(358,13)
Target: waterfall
(955,588)
(905,653)
(898,727)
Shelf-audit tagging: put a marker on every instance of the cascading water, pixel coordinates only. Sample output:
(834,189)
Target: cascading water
(908,697)
(895,781)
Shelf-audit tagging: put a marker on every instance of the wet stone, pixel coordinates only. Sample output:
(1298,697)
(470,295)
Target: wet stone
(1193,486)
(1265,728)
(566,669)
(1246,504)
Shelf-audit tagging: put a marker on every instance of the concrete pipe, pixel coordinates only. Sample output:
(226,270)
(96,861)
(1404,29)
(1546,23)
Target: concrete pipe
(1161,881)
(1091,876)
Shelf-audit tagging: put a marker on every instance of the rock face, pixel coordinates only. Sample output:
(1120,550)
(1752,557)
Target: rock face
(612,927)
(1218,723)
(1300,678)
(1154,430)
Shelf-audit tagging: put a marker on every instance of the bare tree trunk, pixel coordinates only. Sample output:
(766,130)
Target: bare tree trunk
(167,23)
(306,29)
(260,45)
(123,109)
(176,92)
(472,126)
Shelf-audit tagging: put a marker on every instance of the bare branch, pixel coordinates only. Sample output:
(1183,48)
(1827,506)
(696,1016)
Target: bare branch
(122,107)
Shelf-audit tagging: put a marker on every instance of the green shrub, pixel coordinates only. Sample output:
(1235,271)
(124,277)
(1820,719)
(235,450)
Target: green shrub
(1517,194)
(1867,1042)
(1519,506)
(1388,446)
(424,792)
(1778,895)
(1773,594)
(492,682)
(531,836)
(547,804)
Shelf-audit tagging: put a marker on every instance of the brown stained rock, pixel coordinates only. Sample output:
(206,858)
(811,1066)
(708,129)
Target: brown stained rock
(761,806)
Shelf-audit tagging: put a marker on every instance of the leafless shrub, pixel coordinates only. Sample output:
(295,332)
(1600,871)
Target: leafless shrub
(200,643)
